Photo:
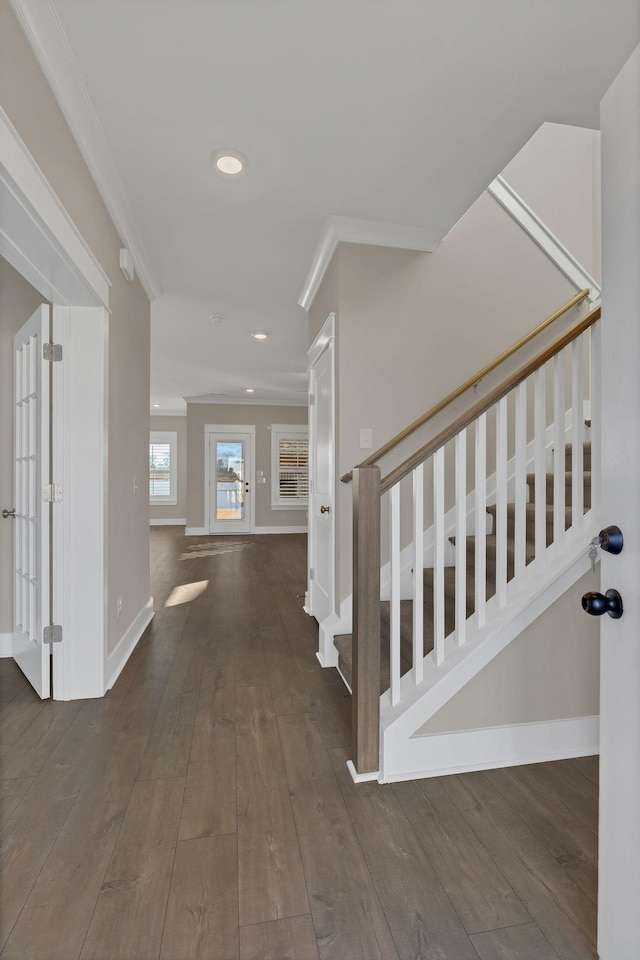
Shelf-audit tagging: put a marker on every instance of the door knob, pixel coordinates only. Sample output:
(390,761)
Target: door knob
(325,509)
(611,540)
(9,513)
(597,603)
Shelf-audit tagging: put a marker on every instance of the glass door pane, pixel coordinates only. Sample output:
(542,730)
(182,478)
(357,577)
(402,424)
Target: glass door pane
(230,480)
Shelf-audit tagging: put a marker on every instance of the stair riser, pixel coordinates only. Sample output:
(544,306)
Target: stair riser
(567,490)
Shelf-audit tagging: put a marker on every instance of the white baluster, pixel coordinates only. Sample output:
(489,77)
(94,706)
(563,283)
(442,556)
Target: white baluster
(595,335)
(461,537)
(501,502)
(577,432)
(418,573)
(438,571)
(481,520)
(558,451)
(540,382)
(520,538)
(394,612)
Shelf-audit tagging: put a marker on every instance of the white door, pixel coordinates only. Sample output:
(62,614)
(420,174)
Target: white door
(230,482)
(619,832)
(322,476)
(32,516)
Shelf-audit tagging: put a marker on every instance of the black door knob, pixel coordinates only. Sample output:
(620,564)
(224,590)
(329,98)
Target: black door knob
(611,540)
(597,603)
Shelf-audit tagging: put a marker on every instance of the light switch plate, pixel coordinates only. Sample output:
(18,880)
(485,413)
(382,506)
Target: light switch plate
(366,438)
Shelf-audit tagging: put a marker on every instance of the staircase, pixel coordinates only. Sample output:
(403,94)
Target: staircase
(344,642)
(518,535)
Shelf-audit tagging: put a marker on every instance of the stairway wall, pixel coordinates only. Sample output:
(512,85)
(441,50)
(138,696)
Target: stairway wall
(412,326)
(557,173)
(550,672)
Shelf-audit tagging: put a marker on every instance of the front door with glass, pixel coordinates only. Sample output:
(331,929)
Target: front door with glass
(230,482)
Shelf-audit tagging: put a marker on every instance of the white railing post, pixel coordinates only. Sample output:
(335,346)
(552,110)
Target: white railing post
(540,487)
(520,519)
(461,537)
(559,416)
(438,571)
(501,502)
(481,520)
(595,355)
(418,573)
(577,432)
(394,611)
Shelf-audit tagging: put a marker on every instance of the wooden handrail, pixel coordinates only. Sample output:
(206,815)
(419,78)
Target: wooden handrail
(483,405)
(458,392)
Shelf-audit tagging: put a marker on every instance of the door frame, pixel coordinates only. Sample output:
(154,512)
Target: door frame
(230,428)
(327,654)
(42,243)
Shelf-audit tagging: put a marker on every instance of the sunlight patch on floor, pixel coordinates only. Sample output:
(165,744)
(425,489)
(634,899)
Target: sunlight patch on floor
(186,592)
(200,550)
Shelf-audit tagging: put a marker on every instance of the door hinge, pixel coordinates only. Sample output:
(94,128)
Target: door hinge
(312,399)
(52,633)
(51,492)
(52,352)
(312,573)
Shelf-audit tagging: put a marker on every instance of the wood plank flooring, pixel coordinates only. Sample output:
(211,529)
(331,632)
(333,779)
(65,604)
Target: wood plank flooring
(203,811)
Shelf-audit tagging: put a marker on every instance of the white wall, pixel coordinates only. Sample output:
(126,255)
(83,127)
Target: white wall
(619,835)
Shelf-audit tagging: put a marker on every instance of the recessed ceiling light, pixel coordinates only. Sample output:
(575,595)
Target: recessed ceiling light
(259,336)
(156,404)
(216,318)
(249,390)
(229,162)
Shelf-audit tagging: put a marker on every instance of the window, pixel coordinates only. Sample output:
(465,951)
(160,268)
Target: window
(163,463)
(289,466)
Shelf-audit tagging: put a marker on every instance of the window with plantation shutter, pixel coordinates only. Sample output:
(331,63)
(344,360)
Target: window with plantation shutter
(289,466)
(163,467)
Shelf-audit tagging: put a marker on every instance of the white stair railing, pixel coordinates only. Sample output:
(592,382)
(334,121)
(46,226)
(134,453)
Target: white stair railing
(529,465)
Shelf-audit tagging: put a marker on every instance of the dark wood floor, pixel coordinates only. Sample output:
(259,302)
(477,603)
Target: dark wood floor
(203,808)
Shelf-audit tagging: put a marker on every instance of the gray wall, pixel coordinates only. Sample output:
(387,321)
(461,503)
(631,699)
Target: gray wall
(18,300)
(33,110)
(550,672)
(199,414)
(557,173)
(179,511)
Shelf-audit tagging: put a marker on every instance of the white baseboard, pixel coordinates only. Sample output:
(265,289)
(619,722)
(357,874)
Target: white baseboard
(487,748)
(117,660)
(169,522)
(196,532)
(280,529)
(361,777)
(6,644)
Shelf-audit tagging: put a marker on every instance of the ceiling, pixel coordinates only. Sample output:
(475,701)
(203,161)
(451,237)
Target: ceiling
(399,111)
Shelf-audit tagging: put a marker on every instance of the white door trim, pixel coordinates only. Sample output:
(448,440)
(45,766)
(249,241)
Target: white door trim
(37,235)
(210,428)
(39,239)
(324,339)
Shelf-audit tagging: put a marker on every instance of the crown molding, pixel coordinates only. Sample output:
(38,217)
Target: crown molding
(43,30)
(375,233)
(240,401)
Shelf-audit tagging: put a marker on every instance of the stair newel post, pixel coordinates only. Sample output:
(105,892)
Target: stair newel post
(365,724)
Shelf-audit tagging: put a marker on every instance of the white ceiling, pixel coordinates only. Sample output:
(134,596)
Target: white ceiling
(387,110)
